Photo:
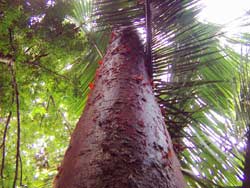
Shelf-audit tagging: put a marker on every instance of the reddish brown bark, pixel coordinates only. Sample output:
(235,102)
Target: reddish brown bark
(121,140)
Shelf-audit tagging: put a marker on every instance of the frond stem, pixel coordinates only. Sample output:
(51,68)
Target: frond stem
(149,38)
(91,40)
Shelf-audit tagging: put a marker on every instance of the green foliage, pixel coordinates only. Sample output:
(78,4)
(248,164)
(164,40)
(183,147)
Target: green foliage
(42,49)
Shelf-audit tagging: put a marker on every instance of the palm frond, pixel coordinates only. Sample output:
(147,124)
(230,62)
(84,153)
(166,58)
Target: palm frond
(84,67)
(109,14)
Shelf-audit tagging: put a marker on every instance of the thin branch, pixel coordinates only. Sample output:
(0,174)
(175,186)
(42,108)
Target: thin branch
(64,118)
(11,40)
(67,124)
(5,132)
(38,57)
(3,143)
(47,107)
(15,88)
(21,171)
(48,70)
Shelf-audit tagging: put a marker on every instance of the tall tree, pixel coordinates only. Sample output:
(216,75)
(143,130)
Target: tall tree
(121,139)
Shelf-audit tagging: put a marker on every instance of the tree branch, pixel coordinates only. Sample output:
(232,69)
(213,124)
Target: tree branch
(47,70)
(3,143)
(64,118)
(67,124)
(21,171)
(5,134)
(11,40)
(15,88)
(5,60)
(38,57)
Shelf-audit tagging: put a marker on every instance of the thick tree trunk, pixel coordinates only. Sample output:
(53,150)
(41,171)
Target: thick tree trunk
(121,140)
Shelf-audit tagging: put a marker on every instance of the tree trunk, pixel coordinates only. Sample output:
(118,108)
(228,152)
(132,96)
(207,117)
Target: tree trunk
(121,140)
(246,180)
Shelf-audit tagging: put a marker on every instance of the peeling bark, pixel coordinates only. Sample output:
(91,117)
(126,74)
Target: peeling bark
(121,140)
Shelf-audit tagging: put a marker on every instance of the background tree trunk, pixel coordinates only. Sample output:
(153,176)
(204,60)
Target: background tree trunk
(246,180)
(121,140)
